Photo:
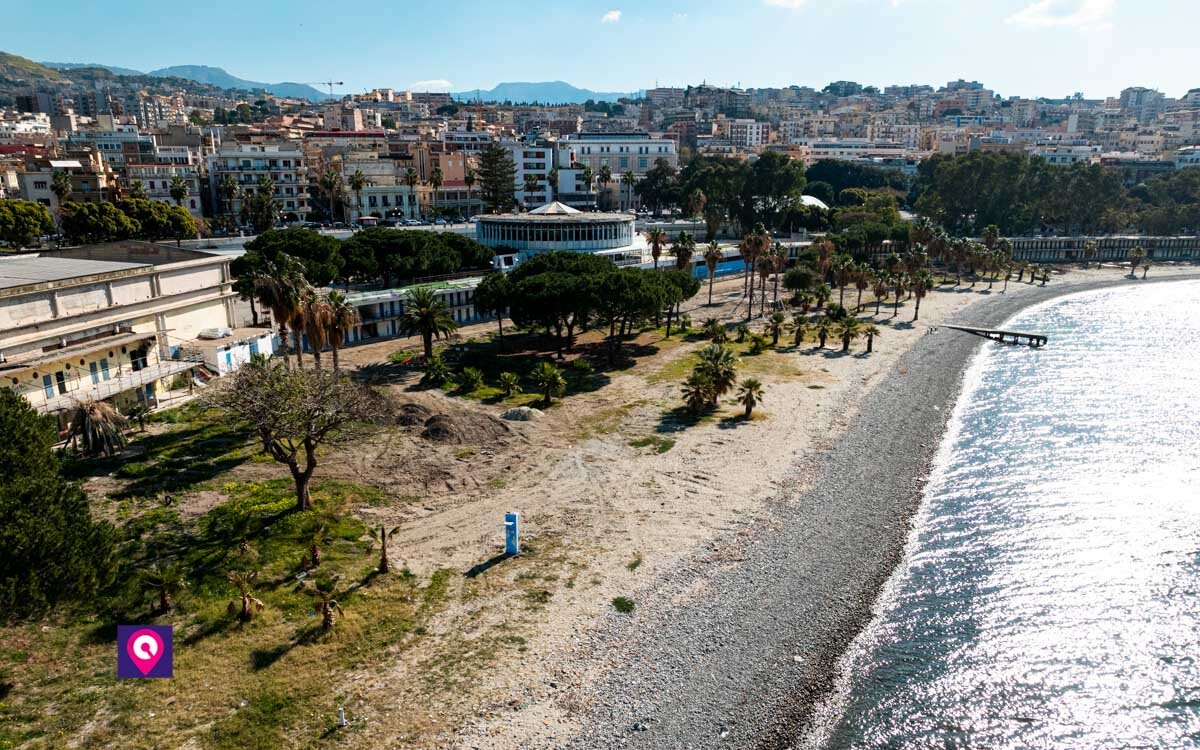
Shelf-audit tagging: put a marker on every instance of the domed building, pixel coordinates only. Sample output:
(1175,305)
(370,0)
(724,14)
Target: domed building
(556,226)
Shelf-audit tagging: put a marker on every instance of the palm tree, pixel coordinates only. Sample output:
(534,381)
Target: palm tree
(60,185)
(179,189)
(98,427)
(604,178)
(358,181)
(1145,269)
(900,284)
(844,269)
(510,383)
(469,179)
(879,287)
(683,248)
(137,189)
(330,183)
(862,282)
(587,177)
(719,364)
(279,288)
(243,581)
(323,591)
(712,257)
(531,186)
(318,538)
(436,180)
(697,392)
(411,179)
(229,190)
(657,238)
(800,326)
(381,536)
(870,330)
(1135,258)
(775,327)
(343,317)
(824,329)
(425,313)
(849,329)
(750,395)
(628,180)
(549,381)
(754,245)
(314,319)
(1089,251)
(921,285)
(552,183)
(715,332)
(164,582)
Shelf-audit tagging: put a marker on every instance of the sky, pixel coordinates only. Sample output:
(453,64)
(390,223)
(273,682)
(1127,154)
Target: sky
(1031,48)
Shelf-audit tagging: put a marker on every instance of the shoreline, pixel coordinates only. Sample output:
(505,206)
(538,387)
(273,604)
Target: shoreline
(744,654)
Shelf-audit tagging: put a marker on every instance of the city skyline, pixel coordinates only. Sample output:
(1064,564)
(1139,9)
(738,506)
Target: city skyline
(1047,48)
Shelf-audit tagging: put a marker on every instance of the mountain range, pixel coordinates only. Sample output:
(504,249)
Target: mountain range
(209,75)
(546,92)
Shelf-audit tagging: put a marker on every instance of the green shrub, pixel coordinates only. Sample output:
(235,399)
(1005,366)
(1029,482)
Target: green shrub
(471,379)
(623,604)
(436,372)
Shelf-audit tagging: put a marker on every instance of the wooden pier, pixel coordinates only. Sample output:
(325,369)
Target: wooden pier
(1035,340)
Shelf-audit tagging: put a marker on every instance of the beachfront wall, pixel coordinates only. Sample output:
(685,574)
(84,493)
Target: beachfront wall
(1108,249)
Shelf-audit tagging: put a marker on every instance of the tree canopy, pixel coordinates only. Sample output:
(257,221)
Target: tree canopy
(319,256)
(22,222)
(53,550)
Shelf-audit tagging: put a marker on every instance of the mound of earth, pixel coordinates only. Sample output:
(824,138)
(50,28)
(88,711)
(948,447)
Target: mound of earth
(411,415)
(464,427)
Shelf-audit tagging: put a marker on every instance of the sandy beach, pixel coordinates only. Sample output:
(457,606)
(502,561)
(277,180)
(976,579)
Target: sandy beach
(761,548)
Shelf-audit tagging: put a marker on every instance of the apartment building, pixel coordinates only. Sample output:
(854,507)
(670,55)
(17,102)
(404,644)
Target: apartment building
(746,133)
(621,152)
(91,179)
(106,322)
(282,161)
(158,178)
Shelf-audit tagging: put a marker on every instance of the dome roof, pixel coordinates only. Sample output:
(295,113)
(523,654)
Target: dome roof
(808,200)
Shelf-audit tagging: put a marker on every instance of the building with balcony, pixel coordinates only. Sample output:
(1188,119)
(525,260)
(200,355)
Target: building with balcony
(620,152)
(281,161)
(556,226)
(110,322)
(157,179)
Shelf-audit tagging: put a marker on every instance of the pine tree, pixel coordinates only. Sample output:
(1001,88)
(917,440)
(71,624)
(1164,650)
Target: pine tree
(53,550)
(497,179)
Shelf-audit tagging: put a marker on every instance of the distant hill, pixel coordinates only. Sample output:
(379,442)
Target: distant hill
(546,92)
(218,77)
(115,69)
(207,75)
(17,68)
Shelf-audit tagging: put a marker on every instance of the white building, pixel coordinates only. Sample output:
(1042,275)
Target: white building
(281,161)
(157,179)
(1188,156)
(556,226)
(747,133)
(620,152)
(106,322)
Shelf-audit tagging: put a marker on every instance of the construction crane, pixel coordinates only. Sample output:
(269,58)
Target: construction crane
(330,84)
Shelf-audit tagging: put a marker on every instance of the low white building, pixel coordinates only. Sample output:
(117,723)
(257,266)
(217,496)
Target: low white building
(106,322)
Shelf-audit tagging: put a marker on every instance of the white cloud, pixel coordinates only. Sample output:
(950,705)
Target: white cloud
(436,84)
(1085,15)
(611,17)
(792,4)
(679,17)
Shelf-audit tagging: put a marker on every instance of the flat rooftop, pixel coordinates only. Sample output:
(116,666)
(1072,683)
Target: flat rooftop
(26,269)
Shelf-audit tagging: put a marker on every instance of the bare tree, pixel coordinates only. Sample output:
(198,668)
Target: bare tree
(293,412)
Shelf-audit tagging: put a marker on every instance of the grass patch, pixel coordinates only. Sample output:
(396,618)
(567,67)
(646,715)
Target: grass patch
(658,443)
(635,563)
(623,604)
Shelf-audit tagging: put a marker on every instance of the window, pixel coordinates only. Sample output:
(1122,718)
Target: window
(39,184)
(104,368)
(48,386)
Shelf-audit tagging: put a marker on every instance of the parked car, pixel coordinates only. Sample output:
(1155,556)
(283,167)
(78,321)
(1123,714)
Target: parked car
(440,222)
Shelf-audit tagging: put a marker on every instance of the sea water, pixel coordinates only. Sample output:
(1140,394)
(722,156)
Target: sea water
(1050,597)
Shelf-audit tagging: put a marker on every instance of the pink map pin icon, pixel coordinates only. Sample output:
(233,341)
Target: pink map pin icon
(145,648)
